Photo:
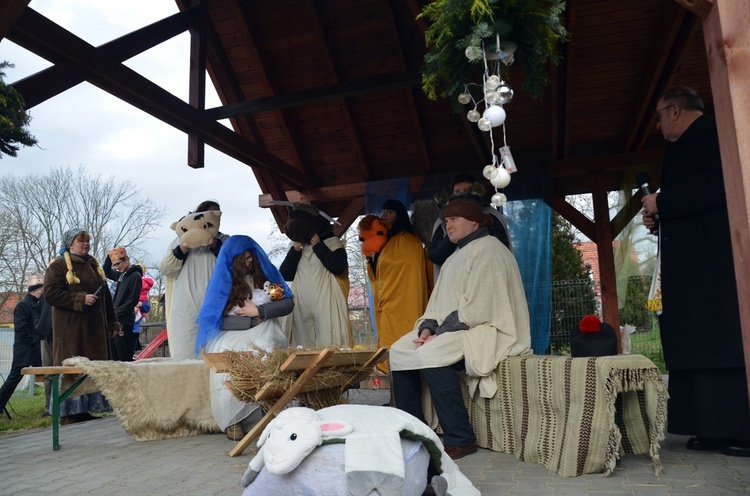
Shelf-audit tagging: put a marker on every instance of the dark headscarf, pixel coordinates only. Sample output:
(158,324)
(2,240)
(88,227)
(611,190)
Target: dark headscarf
(402,217)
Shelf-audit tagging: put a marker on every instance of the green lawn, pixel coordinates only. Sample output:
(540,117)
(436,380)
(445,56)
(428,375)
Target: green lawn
(648,344)
(25,411)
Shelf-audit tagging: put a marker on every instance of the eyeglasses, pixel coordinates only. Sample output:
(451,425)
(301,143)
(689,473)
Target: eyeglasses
(657,114)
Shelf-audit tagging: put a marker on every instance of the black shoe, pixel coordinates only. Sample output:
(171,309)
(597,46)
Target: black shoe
(45,413)
(705,443)
(734,447)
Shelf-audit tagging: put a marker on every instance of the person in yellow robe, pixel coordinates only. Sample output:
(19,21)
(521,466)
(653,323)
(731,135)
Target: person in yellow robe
(398,277)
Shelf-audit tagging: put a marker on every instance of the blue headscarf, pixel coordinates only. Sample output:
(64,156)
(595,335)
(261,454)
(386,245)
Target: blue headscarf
(210,318)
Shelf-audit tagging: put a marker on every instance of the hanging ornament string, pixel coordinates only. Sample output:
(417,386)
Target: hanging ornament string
(495,94)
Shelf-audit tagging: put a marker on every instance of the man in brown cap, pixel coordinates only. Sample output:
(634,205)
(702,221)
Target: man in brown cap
(127,295)
(26,349)
(476,316)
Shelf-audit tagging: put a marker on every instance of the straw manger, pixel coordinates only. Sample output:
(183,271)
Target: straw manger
(256,375)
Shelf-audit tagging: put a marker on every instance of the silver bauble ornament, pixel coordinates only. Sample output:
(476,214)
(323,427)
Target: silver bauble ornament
(504,94)
(484,124)
(464,98)
(491,97)
(473,115)
(487,171)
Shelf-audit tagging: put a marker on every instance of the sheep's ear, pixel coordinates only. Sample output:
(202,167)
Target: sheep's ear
(335,428)
(264,435)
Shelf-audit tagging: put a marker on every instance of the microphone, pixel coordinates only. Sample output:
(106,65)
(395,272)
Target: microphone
(642,179)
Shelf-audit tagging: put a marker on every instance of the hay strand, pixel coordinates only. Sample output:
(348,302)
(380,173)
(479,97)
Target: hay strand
(250,370)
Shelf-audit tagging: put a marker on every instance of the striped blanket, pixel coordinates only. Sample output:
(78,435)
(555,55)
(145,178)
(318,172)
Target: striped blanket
(573,415)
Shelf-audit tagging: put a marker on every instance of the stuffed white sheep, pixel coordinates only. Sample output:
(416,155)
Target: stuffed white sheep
(376,441)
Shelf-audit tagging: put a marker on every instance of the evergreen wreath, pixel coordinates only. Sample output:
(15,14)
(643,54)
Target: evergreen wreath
(534,25)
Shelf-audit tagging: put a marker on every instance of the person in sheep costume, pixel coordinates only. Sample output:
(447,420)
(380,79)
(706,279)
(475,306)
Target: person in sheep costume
(354,450)
(188,266)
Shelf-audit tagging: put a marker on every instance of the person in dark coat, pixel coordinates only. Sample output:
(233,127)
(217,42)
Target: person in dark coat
(127,296)
(700,324)
(83,317)
(44,330)
(26,351)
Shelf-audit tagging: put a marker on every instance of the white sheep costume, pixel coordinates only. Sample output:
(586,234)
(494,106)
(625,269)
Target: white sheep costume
(373,451)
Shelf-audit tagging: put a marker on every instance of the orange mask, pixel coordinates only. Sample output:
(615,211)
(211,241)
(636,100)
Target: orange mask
(373,233)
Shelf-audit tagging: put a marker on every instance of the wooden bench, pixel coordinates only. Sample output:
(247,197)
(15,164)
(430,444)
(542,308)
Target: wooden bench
(56,396)
(309,362)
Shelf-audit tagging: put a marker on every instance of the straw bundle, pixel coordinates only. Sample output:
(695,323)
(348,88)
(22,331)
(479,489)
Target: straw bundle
(249,372)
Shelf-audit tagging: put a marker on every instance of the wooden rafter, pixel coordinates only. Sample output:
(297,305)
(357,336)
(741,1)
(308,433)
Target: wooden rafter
(346,109)
(197,86)
(349,215)
(65,73)
(242,11)
(220,70)
(675,37)
(416,118)
(47,39)
(563,112)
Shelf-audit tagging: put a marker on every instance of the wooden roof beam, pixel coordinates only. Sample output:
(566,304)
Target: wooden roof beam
(561,114)
(674,39)
(479,140)
(10,10)
(571,214)
(396,36)
(197,85)
(220,71)
(351,129)
(242,11)
(65,74)
(316,95)
(349,215)
(131,87)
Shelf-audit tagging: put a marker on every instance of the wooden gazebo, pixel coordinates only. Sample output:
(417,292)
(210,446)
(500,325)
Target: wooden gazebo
(324,97)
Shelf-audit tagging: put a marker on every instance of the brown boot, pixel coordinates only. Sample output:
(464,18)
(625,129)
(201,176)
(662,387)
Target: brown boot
(235,432)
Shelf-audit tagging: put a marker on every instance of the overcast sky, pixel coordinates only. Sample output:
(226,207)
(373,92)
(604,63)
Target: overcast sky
(87,126)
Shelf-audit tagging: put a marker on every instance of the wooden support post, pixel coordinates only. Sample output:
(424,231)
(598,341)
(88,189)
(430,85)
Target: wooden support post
(197,89)
(726,31)
(608,280)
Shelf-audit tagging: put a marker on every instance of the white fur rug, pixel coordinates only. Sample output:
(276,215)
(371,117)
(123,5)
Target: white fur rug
(158,398)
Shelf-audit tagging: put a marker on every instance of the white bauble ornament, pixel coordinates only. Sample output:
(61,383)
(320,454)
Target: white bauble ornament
(492,82)
(500,178)
(487,171)
(498,200)
(495,114)
(484,124)
(504,94)
(464,98)
(473,115)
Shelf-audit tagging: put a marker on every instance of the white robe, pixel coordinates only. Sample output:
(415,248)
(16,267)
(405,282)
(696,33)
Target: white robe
(482,282)
(321,315)
(227,409)
(186,285)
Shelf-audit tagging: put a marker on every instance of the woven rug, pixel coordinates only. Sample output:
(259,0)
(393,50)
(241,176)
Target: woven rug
(574,415)
(158,398)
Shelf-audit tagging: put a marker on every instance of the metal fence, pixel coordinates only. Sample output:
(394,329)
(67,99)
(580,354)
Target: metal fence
(149,331)
(572,300)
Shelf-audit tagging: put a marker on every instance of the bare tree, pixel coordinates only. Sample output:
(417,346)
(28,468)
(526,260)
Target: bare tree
(40,208)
